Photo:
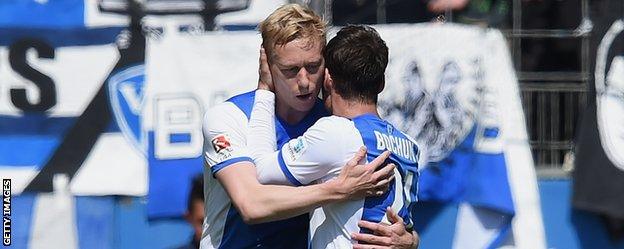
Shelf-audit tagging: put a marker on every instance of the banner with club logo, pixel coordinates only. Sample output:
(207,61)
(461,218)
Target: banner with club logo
(57,140)
(55,58)
(453,89)
(185,75)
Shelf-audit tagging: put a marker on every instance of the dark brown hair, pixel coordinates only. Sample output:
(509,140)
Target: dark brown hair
(356,59)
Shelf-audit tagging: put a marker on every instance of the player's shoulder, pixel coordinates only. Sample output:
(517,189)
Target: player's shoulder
(234,106)
(417,148)
(333,138)
(335,123)
(335,127)
(224,114)
(244,102)
(402,134)
(221,110)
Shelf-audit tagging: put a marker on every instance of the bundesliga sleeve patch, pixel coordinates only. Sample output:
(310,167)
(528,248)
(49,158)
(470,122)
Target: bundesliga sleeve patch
(297,148)
(221,143)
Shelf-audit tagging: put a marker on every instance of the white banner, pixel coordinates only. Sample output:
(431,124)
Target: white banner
(445,82)
(194,71)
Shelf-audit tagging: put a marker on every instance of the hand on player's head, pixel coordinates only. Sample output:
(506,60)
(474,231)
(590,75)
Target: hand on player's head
(265,82)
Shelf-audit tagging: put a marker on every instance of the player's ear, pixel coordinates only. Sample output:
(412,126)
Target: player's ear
(328,83)
(382,85)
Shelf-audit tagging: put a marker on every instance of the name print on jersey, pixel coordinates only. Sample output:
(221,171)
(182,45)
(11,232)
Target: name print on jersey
(400,146)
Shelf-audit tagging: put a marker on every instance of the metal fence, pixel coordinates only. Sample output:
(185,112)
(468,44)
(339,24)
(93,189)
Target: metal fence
(553,99)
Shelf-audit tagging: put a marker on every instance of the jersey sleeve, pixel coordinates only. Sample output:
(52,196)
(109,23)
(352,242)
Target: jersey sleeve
(322,151)
(224,129)
(262,142)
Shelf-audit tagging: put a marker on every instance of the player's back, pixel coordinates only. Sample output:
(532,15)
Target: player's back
(332,224)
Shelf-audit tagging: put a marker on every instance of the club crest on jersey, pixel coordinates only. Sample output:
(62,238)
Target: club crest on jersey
(126,91)
(221,143)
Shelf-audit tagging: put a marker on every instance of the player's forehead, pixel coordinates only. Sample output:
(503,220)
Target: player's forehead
(298,52)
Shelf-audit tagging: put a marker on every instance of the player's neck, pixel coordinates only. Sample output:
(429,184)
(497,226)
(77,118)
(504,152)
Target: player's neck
(352,109)
(288,114)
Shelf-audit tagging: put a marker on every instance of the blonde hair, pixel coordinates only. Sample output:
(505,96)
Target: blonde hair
(290,22)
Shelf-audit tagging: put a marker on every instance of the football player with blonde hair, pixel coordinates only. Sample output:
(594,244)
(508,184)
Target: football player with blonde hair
(242,209)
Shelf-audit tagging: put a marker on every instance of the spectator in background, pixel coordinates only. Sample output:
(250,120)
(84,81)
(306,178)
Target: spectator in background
(195,213)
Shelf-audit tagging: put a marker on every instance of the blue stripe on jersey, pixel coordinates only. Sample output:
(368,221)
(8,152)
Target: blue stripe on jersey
(228,162)
(285,132)
(289,233)
(233,229)
(404,156)
(244,102)
(286,171)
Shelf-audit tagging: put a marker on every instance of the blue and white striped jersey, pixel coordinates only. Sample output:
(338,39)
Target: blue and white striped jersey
(225,135)
(318,156)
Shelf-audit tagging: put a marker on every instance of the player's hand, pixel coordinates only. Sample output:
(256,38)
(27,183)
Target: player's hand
(358,181)
(265,82)
(386,236)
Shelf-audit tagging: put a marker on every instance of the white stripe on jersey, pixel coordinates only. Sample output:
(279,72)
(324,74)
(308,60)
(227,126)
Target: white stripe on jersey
(397,204)
(216,212)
